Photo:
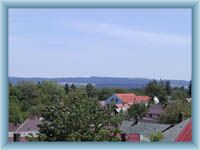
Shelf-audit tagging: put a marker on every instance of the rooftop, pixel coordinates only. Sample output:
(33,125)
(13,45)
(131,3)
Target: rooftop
(179,130)
(143,128)
(155,109)
(132,98)
(186,134)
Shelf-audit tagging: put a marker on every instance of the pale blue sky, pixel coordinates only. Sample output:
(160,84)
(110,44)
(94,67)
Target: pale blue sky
(151,43)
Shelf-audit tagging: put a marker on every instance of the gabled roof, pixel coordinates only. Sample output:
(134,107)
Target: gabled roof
(131,98)
(155,109)
(126,97)
(173,133)
(142,128)
(139,99)
(186,134)
(13,127)
(29,125)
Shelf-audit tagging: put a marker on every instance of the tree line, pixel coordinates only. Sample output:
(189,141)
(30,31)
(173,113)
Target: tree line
(73,113)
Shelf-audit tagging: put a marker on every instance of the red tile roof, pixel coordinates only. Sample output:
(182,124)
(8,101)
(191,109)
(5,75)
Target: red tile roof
(132,98)
(140,99)
(126,98)
(186,134)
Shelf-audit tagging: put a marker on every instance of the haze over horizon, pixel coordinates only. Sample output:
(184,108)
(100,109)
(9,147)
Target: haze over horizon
(100,77)
(125,43)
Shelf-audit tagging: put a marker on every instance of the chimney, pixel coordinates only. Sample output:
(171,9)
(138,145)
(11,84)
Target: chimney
(16,137)
(180,117)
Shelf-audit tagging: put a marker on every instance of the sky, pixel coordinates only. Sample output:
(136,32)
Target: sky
(150,43)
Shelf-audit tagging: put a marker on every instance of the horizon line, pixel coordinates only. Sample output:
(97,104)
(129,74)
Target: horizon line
(100,77)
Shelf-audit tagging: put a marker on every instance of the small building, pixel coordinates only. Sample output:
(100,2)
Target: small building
(144,129)
(155,111)
(29,126)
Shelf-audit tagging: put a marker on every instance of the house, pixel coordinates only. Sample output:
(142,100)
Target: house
(29,126)
(121,107)
(126,99)
(155,111)
(143,129)
(181,132)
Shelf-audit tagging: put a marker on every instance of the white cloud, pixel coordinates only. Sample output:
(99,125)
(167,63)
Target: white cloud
(130,34)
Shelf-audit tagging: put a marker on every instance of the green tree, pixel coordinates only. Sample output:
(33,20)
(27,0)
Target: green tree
(179,94)
(156,137)
(15,114)
(137,110)
(29,94)
(73,87)
(168,87)
(153,88)
(76,118)
(172,111)
(50,90)
(105,93)
(67,88)
(90,90)
(36,110)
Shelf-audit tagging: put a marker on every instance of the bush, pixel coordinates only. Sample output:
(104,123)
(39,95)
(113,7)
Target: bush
(156,137)
(171,112)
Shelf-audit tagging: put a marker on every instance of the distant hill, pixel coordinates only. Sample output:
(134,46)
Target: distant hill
(100,82)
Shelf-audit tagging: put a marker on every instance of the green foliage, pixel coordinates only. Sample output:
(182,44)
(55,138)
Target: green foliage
(30,137)
(137,110)
(171,112)
(67,88)
(157,89)
(76,118)
(50,90)
(90,90)
(120,90)
(168,87)
(73,87)
(104,93)
(138,91)
(15,114)
(156,137)
(179,94)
